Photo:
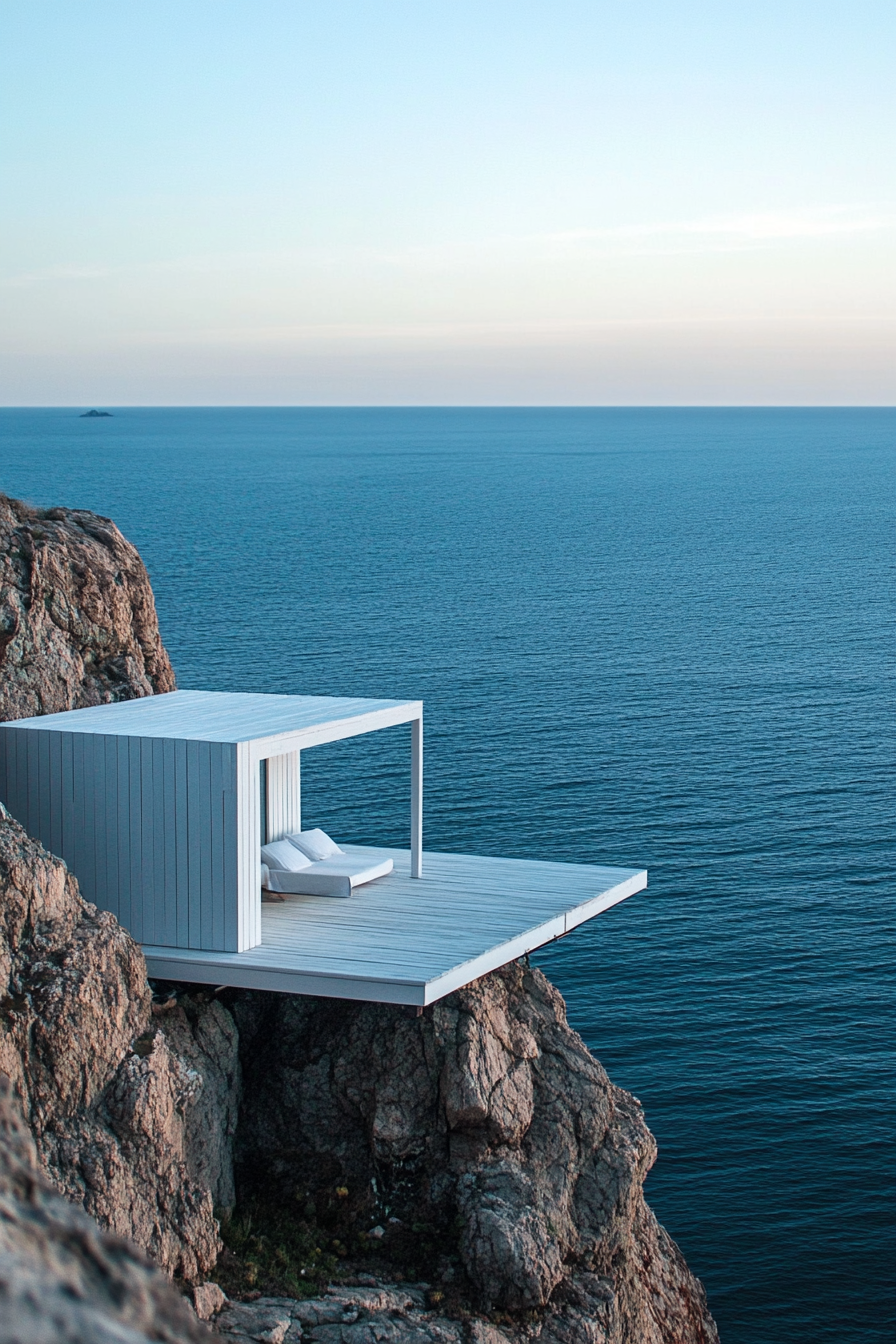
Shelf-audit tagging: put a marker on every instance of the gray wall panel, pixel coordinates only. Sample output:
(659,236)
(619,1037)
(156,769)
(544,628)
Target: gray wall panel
(74,843)
(155,751)
(148,883)
(206,892)
(216,838)
(55,786)
(100,825)
(41,785)
(21,785)
(182,844)
(135,837)
(113,882)
(66,796)
(194,839)
(11,740)
(124,831)
(33,811)
(86,813)
(5,742)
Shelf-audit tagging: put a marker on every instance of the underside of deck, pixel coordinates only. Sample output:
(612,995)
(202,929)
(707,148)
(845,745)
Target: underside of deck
(409,940)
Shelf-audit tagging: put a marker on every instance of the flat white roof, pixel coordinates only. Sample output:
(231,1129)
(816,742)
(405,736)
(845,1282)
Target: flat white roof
(404,940)
(230,716)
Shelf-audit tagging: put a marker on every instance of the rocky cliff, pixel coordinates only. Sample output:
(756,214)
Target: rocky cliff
(77,618)
(484,1126)
(479,1144)
(118,1109)
(63,1280)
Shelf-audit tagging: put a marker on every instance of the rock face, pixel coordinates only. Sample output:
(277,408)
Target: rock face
(77,617)
(62,1281)
(387,1313)
(487,1109)
(390,1313)
(132,1115)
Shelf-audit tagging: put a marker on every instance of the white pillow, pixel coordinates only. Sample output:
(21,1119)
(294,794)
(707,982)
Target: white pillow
(315,844)
(281,856)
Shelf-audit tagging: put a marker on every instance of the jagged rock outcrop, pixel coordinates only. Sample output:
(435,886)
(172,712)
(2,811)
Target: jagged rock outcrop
(78,621)
(488,1108)
(62,1281)
(132,1115)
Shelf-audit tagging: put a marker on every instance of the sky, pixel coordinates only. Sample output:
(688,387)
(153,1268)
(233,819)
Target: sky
(284,203)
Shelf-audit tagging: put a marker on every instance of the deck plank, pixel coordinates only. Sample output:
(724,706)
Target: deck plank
(406,940)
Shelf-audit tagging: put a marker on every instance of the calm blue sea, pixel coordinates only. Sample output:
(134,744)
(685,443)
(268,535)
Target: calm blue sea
(644,637)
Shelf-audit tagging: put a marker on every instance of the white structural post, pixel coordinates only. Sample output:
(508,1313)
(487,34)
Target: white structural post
(417,797)
(284,796)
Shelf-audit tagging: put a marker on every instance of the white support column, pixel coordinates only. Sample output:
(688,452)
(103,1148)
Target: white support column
(417,797)
(250,829)
(284,796)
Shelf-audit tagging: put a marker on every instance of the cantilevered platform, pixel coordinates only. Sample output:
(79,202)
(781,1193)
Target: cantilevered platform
(404,940)
(160,807)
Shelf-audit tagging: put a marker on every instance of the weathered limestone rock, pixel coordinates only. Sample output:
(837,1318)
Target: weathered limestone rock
(489,1107)
(397,1314)
(62,1281)
(208,1300)
(202,1035)
(131,1119)
(77,617)
(385,1314)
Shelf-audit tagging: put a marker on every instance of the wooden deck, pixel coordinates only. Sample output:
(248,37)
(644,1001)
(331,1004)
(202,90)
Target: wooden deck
(404,940)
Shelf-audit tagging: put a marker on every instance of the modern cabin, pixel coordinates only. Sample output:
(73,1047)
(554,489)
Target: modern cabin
(161,808)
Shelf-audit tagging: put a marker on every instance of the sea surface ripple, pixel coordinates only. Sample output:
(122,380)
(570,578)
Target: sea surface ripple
(650,638)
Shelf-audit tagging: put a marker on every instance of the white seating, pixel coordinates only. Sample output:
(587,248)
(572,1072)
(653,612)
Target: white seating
(289,872)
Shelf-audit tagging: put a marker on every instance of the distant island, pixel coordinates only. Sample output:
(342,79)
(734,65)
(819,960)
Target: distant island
(94,415)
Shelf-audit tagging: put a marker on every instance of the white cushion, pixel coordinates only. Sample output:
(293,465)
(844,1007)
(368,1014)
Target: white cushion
(337,877)
(315,844)
(357,870)
(281,855)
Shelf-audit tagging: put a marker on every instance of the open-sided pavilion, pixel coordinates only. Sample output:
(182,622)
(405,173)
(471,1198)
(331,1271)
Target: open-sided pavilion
(160,807)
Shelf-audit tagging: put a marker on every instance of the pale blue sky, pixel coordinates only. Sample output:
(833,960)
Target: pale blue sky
(460,203)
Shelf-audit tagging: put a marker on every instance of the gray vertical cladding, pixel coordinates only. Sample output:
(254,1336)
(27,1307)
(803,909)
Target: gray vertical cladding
(165,831)
(182,844)
(216,838)
(156,753)
(121,898)
(131,799)
(166,756)
(158,831)
(110,752)
(194,846)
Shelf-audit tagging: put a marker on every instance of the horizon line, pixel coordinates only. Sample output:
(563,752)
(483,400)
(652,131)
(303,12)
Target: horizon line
(451,406)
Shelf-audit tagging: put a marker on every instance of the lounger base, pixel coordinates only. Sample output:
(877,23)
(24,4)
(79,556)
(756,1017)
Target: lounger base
(331,877)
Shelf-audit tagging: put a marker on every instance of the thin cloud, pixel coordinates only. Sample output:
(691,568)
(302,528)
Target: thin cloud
(329,335)
(716,233)
(757,227)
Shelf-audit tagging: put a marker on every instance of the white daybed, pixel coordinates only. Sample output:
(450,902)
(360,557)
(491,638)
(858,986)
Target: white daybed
(309,863)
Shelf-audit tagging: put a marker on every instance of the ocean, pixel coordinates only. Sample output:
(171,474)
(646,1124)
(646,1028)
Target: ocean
(652,638)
